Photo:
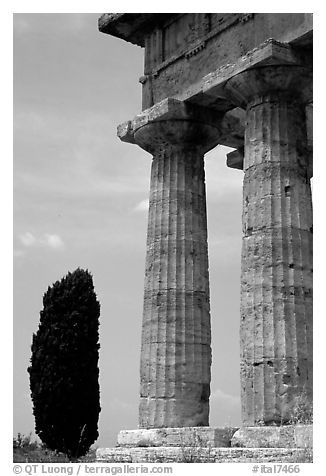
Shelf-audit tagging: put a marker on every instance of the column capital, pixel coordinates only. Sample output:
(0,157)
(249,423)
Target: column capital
(174,123)
(271,82)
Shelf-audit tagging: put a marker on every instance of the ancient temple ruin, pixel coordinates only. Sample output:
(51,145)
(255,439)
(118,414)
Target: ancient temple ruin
(243,80)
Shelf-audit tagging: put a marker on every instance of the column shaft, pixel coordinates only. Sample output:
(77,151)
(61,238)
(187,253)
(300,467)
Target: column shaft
(176,352)
(276,283)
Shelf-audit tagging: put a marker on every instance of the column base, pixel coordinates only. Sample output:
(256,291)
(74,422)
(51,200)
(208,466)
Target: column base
(199,436)
(192,454)
(286,444)
(286,436)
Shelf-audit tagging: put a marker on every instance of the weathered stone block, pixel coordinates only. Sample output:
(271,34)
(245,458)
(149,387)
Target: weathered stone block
(287,436)
(186,436)
(192,454)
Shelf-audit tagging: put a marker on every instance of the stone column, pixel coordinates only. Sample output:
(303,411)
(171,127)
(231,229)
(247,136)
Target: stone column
(276,274)
(176,333)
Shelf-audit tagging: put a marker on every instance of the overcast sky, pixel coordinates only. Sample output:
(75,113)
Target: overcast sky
(80,200)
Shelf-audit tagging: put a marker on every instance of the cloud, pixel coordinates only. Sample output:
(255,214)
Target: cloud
(225,409)
(48,240)
(117,403)
(21,24)
(142,206)
(28,239)
(53,241)
(222,397)
(18,253)
(31,121)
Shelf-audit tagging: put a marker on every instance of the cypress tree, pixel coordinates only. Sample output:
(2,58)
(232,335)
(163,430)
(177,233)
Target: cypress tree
(64,366)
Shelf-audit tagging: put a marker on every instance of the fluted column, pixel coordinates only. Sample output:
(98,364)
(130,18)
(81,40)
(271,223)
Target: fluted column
(176,333)
(276,271)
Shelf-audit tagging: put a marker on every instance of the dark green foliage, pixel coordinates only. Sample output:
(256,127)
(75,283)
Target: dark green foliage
(64,366)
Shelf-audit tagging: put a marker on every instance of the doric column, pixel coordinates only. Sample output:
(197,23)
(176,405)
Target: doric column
(276,274)
(176,333)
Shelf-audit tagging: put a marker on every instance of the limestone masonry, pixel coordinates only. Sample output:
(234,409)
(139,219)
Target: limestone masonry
(243,80)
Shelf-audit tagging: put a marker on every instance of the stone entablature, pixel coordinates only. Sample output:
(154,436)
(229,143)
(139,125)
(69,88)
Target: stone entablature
(180,49)
(210,93)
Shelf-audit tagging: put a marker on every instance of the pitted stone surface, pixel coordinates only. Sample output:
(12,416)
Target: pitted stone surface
(187,436)
(196,76)
(191,454)
(287,436)
(176,332)
(276,271)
